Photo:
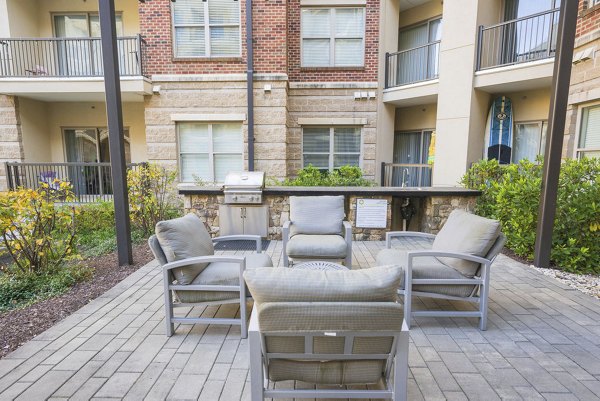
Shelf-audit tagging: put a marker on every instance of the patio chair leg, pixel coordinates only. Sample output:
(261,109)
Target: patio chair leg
(401,369)
(256,368)
(483,298)
(408,297)
(243,317)
(168,306)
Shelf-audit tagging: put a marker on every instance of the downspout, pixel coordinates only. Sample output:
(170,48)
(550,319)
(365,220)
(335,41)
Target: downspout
(250,84)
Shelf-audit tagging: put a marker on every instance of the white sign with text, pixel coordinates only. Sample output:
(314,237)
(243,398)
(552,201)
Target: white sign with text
(371,213)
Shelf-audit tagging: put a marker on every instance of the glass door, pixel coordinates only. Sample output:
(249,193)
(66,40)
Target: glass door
(410,152)
(418,60)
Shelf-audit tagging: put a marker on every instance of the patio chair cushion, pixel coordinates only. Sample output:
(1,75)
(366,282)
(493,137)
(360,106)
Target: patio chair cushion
(427,267)
(222,273)
(317,246)
(183,238)
(378,284)
(327,372)
(466,233)
(316,214)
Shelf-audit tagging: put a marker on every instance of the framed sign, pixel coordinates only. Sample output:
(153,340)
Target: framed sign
(371,213)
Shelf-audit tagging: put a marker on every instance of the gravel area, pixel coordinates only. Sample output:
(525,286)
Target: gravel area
(21,325)
(586,283)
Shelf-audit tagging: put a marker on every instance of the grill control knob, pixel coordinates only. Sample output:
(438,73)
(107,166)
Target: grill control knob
(234,197)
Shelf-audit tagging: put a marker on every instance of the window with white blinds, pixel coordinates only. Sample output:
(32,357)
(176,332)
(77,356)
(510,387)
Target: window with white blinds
(589,134)
(333,37)
(208,28)
(328,148)
(208,152)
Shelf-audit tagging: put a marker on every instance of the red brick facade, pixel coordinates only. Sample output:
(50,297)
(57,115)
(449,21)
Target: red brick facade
(589,18)
(276,44)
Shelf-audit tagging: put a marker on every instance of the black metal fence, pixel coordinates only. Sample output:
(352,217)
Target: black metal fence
(409,66)
(518,41)
(405,175)
(68,57)
(91,181)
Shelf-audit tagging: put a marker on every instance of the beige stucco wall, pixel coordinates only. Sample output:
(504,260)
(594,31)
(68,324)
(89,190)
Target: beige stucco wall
(530,105)
(34,128)
(82,115)
(420,13)
(33,18)
(416,117)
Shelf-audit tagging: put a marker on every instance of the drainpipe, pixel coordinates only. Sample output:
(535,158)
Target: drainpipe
(250,84)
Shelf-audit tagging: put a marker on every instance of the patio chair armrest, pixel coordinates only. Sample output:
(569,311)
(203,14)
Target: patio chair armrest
(253,325)
(204,259)
(256,238)
(446,254)
(347,229)
(285,229)
(398,234)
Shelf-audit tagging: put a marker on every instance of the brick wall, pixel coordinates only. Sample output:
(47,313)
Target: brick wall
(368,73)
(270,53)
(589,18)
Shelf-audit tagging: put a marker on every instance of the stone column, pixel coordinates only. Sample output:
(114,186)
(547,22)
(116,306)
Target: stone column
(11,141)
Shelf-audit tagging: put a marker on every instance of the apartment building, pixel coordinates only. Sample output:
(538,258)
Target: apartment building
(388,85)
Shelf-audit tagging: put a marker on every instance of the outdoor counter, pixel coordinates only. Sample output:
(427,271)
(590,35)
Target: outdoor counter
(429,206)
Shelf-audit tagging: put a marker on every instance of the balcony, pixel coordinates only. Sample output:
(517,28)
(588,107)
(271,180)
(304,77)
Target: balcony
(411,66)
(405,175)
(47,68)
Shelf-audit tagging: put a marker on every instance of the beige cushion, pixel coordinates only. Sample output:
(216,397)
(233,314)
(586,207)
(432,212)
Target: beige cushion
(427,267)
(183,238)
(222,273)
(378,284)
(317,246)
(316,214)
(327,372)
(466,233)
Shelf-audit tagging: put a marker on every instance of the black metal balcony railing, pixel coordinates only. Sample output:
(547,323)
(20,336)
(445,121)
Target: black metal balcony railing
(518,41)
(91,181)
(412,65)
(68,57)
(405,175)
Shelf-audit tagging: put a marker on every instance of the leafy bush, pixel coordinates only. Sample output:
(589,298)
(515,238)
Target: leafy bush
(511,194)
(151,196)
(22,289)
(345,176)
(37,236)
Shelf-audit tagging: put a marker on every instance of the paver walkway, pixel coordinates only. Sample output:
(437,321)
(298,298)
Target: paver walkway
(542,342)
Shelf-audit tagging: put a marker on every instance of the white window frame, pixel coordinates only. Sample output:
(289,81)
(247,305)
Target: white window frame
(577,151)
(207,25)
(330,151)
(211,152)
(541,124)
(332,37)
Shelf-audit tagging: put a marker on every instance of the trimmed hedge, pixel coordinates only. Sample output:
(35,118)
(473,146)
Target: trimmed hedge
(511,194)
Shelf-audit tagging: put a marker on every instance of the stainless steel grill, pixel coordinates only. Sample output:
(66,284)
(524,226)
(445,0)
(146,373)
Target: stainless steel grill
(244,187)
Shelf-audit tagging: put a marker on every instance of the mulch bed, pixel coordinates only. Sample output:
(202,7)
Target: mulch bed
(21,325)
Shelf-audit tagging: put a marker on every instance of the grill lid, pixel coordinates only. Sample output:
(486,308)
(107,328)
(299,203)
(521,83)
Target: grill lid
(244,179)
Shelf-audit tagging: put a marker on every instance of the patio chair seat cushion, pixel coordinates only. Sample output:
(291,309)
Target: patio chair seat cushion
(327,372)
(222,273)
(182,238)
(378,284)
(427,267)
(466,233)
(316,214)
(317,246)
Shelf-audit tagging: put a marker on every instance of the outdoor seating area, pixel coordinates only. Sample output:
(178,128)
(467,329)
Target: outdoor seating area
(542,342)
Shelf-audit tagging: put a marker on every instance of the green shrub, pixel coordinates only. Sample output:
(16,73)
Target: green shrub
(37,236)
(511,194)
(345,176)
(21,289)
(151,196)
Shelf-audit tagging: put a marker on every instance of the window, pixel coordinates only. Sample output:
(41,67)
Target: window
(331,148)
(333,37)
(589,133)
(209,151)
(419,52)
(208,28)
(529,140)
(411,153)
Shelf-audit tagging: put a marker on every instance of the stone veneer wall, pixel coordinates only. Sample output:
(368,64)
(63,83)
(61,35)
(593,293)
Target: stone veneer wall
(435,212)
(11,143)
(218,95)
(436,209)
(331,100)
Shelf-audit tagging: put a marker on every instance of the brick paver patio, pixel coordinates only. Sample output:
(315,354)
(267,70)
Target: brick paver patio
(543,342)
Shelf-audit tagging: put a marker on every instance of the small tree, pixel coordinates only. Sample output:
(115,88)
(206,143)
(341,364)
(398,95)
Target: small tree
(151,196)
(36,234)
